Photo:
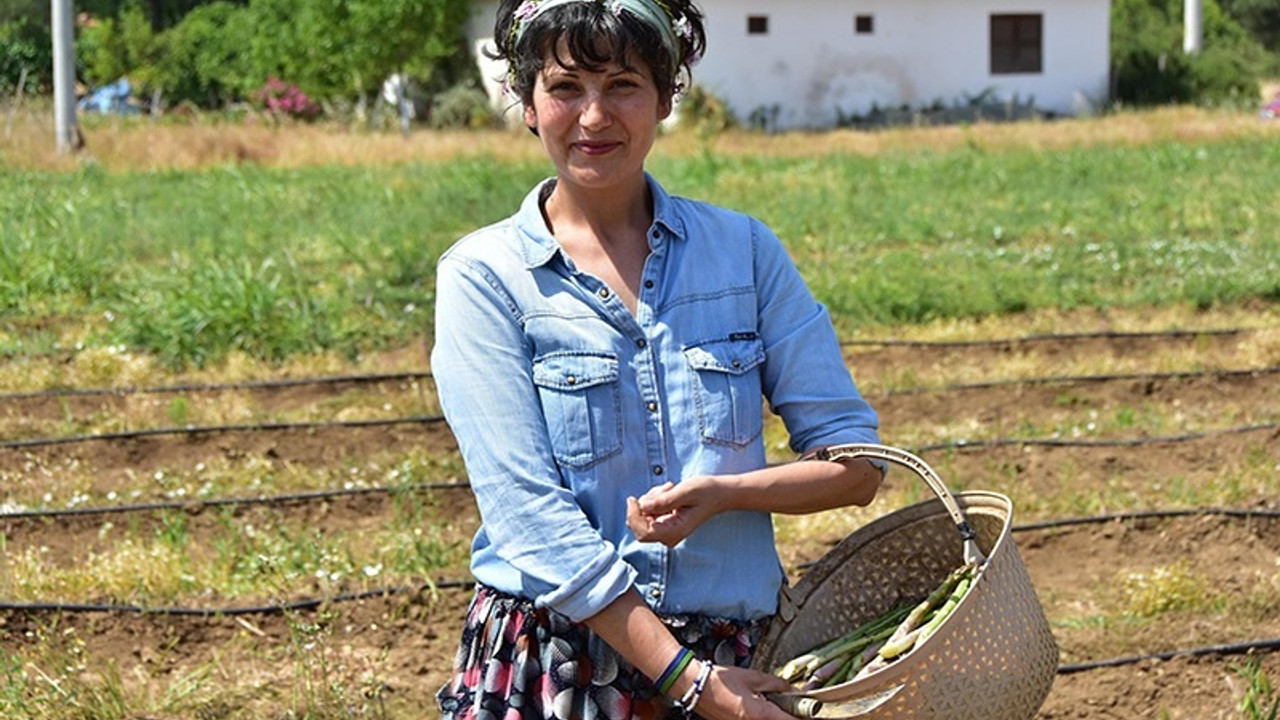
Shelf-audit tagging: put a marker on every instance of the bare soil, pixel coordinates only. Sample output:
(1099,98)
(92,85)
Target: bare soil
(409,633)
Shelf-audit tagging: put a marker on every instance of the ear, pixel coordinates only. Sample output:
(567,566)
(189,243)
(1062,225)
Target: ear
(531,118)
(664,107)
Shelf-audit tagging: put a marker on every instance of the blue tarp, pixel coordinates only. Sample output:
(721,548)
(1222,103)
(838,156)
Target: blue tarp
(110,98)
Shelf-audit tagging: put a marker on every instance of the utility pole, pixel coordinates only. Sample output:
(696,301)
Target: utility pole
(1192,26)
(64,78)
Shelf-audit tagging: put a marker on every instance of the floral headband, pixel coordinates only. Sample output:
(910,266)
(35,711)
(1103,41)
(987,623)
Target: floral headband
(654,12)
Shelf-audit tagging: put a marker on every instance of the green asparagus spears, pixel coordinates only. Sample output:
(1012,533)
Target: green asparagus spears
(881,640)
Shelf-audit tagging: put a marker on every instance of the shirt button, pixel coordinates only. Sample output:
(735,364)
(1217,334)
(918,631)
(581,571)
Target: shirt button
(571,380)
(736,364)
(652,406)
(642,343)
(655,593)
(657,469)
(604,293)
(648,284)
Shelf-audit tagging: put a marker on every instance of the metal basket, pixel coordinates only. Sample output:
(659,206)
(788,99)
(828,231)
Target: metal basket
(994,658)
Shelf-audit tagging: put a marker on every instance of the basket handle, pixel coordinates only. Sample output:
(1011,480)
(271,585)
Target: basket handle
(883,452)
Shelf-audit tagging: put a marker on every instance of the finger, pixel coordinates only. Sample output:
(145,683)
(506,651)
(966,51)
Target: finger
(657,500)
(639,523)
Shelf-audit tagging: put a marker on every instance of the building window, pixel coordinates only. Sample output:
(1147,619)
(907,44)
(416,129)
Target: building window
(757,24)
(1017,44)
(863,24)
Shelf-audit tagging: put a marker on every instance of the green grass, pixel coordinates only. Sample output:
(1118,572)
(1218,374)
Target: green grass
(190,266)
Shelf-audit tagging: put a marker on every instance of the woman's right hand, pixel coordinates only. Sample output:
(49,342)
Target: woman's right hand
(734,693)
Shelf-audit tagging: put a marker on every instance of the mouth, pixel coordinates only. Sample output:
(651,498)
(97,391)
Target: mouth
(596,147)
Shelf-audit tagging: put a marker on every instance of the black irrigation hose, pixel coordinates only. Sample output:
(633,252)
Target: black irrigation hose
(1147,515)
(1252,646)
(1132,442)
(272,609)
(1082,379)
(416,419)
(202,429)
(193,505)
(1266,645)
(413,375)
(1053,337)
(326,494)
(218,387)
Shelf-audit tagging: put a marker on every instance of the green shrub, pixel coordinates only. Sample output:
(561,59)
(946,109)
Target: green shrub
(462,106)
(701,110)
(202,60)
(1150,67)
(24,44)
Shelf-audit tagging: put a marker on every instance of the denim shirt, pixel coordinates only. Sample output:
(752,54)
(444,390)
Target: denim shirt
(564,403)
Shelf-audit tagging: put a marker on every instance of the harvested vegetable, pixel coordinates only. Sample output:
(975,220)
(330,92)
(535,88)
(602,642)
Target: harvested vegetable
(880,641)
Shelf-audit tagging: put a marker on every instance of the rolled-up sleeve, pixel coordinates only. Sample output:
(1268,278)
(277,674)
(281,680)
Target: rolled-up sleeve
(805,378)
(482,366)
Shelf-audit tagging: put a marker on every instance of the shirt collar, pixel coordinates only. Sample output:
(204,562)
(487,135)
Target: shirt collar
(538,245)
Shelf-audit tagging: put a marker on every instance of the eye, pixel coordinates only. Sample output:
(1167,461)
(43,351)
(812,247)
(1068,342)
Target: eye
(561,86)
(625,83)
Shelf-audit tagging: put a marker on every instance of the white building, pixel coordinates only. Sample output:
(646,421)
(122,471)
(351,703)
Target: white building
(806,64)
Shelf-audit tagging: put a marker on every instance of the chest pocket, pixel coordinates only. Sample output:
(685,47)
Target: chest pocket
(580,401)
(730,400)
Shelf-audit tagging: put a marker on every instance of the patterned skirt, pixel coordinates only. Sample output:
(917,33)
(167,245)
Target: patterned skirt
(519,662)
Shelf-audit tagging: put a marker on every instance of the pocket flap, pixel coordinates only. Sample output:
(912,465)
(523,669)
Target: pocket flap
(574,371)
(734,357)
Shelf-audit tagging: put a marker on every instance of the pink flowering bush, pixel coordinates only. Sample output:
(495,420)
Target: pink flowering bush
(284,100)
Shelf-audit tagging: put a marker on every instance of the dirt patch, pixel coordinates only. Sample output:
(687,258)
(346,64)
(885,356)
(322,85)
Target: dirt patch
(400,645)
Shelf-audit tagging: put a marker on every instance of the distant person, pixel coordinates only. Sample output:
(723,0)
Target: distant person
(602,357)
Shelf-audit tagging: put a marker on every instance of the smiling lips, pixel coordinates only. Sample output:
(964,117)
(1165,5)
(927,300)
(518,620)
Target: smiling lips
(596,147)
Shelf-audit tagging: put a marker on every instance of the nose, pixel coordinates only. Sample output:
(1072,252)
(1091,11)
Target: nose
(596,113)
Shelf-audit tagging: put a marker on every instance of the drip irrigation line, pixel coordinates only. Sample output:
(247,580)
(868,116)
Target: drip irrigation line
(270,609)
(1240,648)
(219,387)
(1132,442)
(253,427)
(1266,645)
(202,429)
(1147,515)
(413,375)
(1122,516)
(425,375)
(1050,337)
(197,505)
(1082,379)
(326,494)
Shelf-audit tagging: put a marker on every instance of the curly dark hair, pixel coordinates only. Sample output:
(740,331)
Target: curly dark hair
(596,36)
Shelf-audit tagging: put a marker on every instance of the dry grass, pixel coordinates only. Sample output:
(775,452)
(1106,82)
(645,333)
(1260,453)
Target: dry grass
(140,145)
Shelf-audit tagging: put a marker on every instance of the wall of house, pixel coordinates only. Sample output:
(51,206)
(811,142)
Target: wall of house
(811,66)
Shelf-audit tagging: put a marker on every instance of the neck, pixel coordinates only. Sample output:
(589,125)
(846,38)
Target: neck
(606,211)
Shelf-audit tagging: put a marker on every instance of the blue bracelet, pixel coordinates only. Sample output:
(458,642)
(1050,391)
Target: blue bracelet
(677,666)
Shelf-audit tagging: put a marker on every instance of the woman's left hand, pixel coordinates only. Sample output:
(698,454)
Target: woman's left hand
(670,513)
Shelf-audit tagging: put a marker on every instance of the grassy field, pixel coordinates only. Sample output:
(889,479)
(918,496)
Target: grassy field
(215,254)
(279,260)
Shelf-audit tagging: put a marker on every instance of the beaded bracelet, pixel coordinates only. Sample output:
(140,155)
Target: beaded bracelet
(690,699)
(673,671)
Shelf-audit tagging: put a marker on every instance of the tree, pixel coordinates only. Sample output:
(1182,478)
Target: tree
(160,14)
(1261,18)
(116,47)
(26,55)
(346,47)
(201,61)
(1150,67)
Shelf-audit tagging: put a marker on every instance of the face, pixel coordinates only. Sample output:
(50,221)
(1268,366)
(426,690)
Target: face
(597,127)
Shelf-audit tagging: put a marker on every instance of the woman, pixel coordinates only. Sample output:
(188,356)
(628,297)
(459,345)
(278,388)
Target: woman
(601,357)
